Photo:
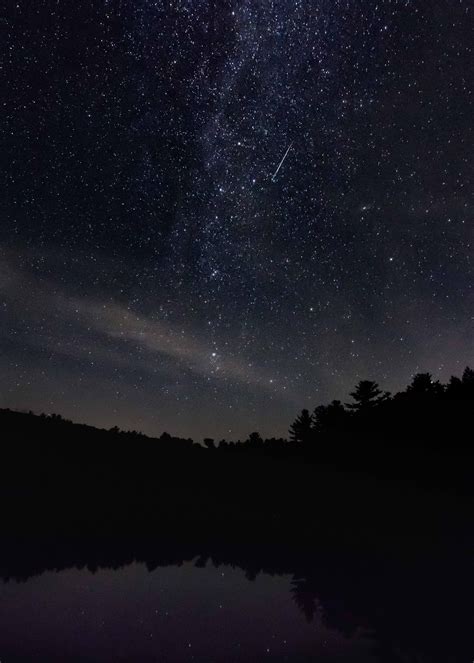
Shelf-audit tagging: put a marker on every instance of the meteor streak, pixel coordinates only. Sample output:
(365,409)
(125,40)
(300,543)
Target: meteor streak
(281,162)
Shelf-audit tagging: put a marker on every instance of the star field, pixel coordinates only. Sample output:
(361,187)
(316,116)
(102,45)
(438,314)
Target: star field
(157,275)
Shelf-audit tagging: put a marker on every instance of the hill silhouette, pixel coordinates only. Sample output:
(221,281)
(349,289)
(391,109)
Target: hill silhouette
(341,463)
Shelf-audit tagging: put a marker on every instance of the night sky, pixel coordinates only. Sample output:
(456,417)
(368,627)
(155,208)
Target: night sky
(158,273)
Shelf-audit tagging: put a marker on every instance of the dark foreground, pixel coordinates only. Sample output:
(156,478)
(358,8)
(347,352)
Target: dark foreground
(182,553)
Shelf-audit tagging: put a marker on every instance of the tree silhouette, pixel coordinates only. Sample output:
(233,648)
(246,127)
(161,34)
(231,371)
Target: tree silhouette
(301,430)
(304,596)
(366,396)
(468,382)
(329,418)
(454,388)
(422,384)
(209,443)
(255,441)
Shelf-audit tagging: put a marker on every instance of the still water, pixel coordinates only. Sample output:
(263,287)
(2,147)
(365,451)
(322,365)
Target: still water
(179,613)
(204,611)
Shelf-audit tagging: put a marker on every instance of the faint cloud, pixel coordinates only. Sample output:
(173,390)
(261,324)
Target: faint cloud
(90,329)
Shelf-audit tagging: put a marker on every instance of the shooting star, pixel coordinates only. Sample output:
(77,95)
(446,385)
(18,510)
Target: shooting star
(281,162)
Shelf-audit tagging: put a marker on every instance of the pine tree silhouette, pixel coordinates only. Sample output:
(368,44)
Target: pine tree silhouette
(301,430)
(366,395)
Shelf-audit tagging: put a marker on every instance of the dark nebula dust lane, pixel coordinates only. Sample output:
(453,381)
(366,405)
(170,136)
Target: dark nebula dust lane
(216,213)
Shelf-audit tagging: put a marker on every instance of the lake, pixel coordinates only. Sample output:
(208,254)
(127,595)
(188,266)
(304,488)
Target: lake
(381,609)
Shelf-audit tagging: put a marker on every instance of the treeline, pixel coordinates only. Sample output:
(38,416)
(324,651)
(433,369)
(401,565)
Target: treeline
(424,411)
(427,414)
(377,466)
(422,434)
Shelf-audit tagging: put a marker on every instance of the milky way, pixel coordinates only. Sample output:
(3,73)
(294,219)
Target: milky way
(155,274)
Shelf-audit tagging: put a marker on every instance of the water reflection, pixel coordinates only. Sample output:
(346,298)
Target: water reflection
(180,613)
(351,606)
